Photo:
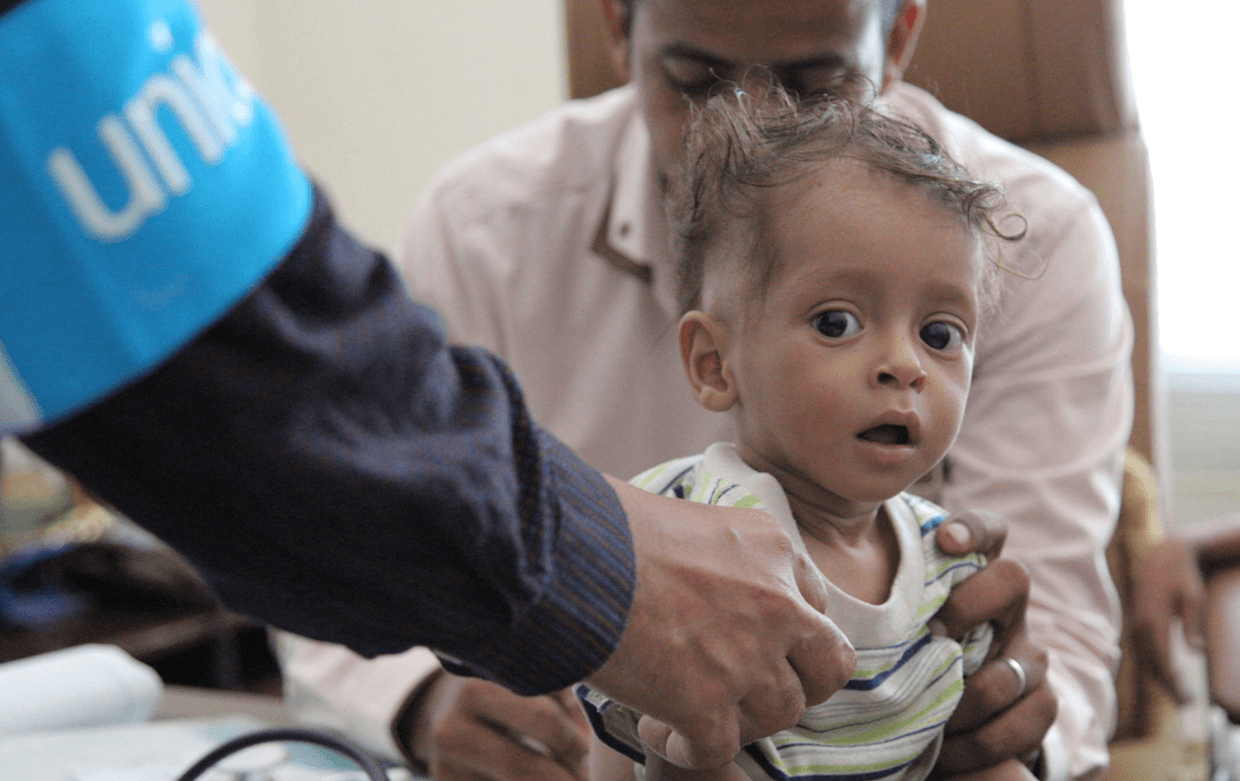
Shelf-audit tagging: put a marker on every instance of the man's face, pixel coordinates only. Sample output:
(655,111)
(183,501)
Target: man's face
(678,50)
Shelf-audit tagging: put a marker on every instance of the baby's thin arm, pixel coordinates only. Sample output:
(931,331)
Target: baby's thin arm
(659,769)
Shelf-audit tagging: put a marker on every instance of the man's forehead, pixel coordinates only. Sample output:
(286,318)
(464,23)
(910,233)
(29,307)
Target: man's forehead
(867,6)
(824,58)
(804,18)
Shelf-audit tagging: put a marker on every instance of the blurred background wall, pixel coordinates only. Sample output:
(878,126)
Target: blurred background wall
(376,94)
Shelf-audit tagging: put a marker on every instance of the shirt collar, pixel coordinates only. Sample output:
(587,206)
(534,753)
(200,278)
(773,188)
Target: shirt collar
(633,232)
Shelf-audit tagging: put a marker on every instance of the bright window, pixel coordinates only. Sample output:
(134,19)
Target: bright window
(1182,63)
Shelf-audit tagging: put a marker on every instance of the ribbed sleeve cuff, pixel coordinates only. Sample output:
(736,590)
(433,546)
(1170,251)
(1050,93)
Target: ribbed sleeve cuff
(571,630)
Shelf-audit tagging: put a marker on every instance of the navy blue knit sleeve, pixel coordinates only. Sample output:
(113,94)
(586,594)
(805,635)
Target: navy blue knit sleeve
(334,468)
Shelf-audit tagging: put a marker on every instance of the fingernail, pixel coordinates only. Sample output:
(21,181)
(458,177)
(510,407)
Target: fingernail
(937,627)
(959,533)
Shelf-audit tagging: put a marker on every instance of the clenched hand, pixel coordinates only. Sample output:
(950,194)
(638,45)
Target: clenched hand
(727,640)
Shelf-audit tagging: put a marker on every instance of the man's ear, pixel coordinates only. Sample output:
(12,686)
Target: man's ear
(703,351)
(616,14)
(902,41)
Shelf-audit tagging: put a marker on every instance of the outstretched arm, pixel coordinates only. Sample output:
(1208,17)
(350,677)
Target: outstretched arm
(1171,588)
(228,367)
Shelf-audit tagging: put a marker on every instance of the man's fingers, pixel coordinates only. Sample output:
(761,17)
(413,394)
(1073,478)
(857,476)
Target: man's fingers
(543,725)
(1018,732)
(769,711)
(747,609)
(478,751)
(997,686)
(973,531)
(565,733)
(810,582)
(654,735)
(1193,616)
(708,743)
(485,731)
(823,661)
(997,593)
(1154,644)
(820,664)
(1168,591)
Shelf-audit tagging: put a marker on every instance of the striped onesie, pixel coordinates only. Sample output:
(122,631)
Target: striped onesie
(887,722)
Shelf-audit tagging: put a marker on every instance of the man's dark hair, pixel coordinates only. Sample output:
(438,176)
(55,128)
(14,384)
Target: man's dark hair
(741,146)
(888,9)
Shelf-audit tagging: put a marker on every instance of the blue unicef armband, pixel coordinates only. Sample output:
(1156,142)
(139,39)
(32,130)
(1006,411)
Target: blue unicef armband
(144,190)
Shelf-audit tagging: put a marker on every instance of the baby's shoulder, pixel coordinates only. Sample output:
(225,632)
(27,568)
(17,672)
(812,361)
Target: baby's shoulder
(701,478)
(911,508)
(928,516)
(665,478)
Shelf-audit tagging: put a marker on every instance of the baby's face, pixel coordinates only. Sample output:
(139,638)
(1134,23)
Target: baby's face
(852,372)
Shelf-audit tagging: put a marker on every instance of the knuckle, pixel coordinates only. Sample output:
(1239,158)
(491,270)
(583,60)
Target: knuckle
(449,736)
(833,668)
(707,751)
(792,709)
(845,665)
(784,709)
(1011,576)
(1012,741)
(994,698)
(1013,572)
(469,694)
(976,751)
(1048,706)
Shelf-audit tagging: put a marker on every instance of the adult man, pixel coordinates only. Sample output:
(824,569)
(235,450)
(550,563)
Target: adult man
(187,330)
(557,227)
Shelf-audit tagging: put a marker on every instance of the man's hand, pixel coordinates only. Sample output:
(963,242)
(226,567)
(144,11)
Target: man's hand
(469,729)
(726,640)
(1169,587)
(1000,717)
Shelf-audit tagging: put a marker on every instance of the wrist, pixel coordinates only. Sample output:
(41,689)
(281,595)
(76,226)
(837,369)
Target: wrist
(411,728)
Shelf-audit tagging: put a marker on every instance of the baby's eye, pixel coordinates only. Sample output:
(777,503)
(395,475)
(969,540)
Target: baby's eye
(942,336)
(836,323)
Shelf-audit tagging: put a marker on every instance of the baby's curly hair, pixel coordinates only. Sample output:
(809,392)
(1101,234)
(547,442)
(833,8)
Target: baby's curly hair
(742,145)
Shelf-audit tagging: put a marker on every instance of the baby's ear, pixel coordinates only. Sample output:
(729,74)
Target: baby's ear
(703,351)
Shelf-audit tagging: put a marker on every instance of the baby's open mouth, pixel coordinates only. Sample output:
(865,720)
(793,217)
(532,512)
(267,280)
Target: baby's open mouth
(886,434)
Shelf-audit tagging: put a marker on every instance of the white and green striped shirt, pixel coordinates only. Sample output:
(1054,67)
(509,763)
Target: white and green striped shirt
(887,722)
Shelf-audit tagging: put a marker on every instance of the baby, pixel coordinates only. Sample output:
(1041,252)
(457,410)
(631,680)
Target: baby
(834,268)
